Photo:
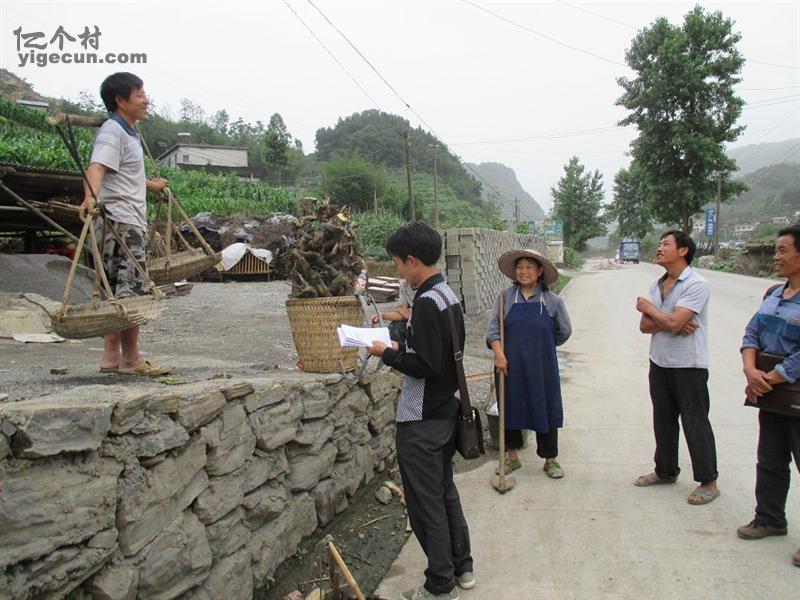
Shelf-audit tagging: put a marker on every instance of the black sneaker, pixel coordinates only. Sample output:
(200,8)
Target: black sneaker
(755,531)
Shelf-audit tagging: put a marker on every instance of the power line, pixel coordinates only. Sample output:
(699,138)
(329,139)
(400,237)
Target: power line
(788,87)
(543,35)
(336,60)
(576,7)
(772,102)
(407,105)
(769,64)
(547,136)
(759,138)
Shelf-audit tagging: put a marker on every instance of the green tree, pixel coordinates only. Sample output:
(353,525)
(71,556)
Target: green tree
(630,206)
(220,121)
(275,148)
(354,181)
(683,103)
(578,200)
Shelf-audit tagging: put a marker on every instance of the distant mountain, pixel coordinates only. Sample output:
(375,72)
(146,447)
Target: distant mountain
(15,88)
(505,181)
(756,156)
(774,192)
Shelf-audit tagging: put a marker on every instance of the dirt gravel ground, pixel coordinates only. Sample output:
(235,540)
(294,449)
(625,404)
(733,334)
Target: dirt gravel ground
(235,328)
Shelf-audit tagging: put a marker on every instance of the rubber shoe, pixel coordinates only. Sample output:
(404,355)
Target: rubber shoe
(796,558)
(510,465)
(422,594)
(466,581)
(553,470)
(755,531)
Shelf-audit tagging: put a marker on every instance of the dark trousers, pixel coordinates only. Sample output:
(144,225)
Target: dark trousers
(778,441)
(546,443)
(682,393)
(425,451)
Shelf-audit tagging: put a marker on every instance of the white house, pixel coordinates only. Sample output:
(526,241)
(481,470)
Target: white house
(744,228)
(781,220)
(215,158)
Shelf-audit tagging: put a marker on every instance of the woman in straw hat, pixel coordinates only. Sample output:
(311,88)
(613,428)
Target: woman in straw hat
(535,322)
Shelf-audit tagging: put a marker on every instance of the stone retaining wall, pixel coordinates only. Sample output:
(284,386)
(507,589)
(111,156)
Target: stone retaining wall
(199,491)
(469,263)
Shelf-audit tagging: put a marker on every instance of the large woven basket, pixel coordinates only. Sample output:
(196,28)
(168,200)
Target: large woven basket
(314,322)
(182,265)
(96,319)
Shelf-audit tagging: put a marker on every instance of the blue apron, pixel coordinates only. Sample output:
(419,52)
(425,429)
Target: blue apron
(533,387)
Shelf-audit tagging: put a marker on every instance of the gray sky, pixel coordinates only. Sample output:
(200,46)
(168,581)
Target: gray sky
(489,89)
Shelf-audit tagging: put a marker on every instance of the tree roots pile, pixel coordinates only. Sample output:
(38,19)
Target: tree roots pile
(325,253)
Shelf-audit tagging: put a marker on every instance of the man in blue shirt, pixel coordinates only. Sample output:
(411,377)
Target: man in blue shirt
(775,329)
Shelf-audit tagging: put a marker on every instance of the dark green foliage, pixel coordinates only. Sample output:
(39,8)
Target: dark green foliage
(573,258)
(630,206)
(373,230)
(378,137)
(354,181)
(578,200)
(275,147)
(27,138)
(683,103)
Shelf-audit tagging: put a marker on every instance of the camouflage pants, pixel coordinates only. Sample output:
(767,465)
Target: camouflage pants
(123,277)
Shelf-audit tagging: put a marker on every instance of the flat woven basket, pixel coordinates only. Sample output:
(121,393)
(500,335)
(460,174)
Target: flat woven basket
(182,265)
(96,319)
(314,322)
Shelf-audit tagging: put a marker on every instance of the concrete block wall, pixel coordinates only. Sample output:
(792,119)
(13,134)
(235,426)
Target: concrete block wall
(200,491)
(470,263)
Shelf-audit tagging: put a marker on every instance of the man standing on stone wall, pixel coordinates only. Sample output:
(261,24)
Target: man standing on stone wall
(426,414)
(676,316)
(116,175)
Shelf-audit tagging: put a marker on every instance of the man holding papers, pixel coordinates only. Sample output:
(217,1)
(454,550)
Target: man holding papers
(426,414)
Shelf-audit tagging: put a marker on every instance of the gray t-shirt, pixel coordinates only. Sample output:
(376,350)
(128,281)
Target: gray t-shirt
(673,350)
(123,192)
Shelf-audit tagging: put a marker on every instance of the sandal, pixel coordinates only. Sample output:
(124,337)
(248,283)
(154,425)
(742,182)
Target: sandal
(114,369)
(553,469)
(653,479)
(702,496)
(145,368)
(509,465)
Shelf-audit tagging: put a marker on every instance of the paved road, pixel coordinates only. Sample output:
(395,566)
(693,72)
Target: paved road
(593,534)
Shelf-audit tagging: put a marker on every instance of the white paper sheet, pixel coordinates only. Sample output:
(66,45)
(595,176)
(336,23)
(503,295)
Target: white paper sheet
(350,336)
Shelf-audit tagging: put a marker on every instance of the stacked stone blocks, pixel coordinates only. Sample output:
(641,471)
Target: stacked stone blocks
(200,491)
(470,263)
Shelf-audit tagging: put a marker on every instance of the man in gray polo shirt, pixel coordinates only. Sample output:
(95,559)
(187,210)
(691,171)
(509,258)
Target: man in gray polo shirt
(676,316)
(116,175)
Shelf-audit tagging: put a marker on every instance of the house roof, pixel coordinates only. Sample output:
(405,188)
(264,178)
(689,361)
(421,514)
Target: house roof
(176,146)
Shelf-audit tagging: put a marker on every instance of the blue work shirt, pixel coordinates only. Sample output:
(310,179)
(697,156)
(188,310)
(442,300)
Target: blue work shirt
(775,329)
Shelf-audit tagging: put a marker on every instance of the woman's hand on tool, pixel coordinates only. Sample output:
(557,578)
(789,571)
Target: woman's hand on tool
(501,363)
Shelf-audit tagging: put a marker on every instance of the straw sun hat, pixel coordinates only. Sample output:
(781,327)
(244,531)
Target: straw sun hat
(507,263)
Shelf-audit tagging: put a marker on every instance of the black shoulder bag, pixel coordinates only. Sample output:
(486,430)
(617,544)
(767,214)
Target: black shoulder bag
(469,430)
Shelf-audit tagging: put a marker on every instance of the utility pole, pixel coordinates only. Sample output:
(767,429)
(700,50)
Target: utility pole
(716,215)
(375,198)
(516,212)
(435,191)
(411,210)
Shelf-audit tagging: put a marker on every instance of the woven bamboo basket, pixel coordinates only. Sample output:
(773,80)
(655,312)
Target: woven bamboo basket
(182,265)
(314,322)
(96,319)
